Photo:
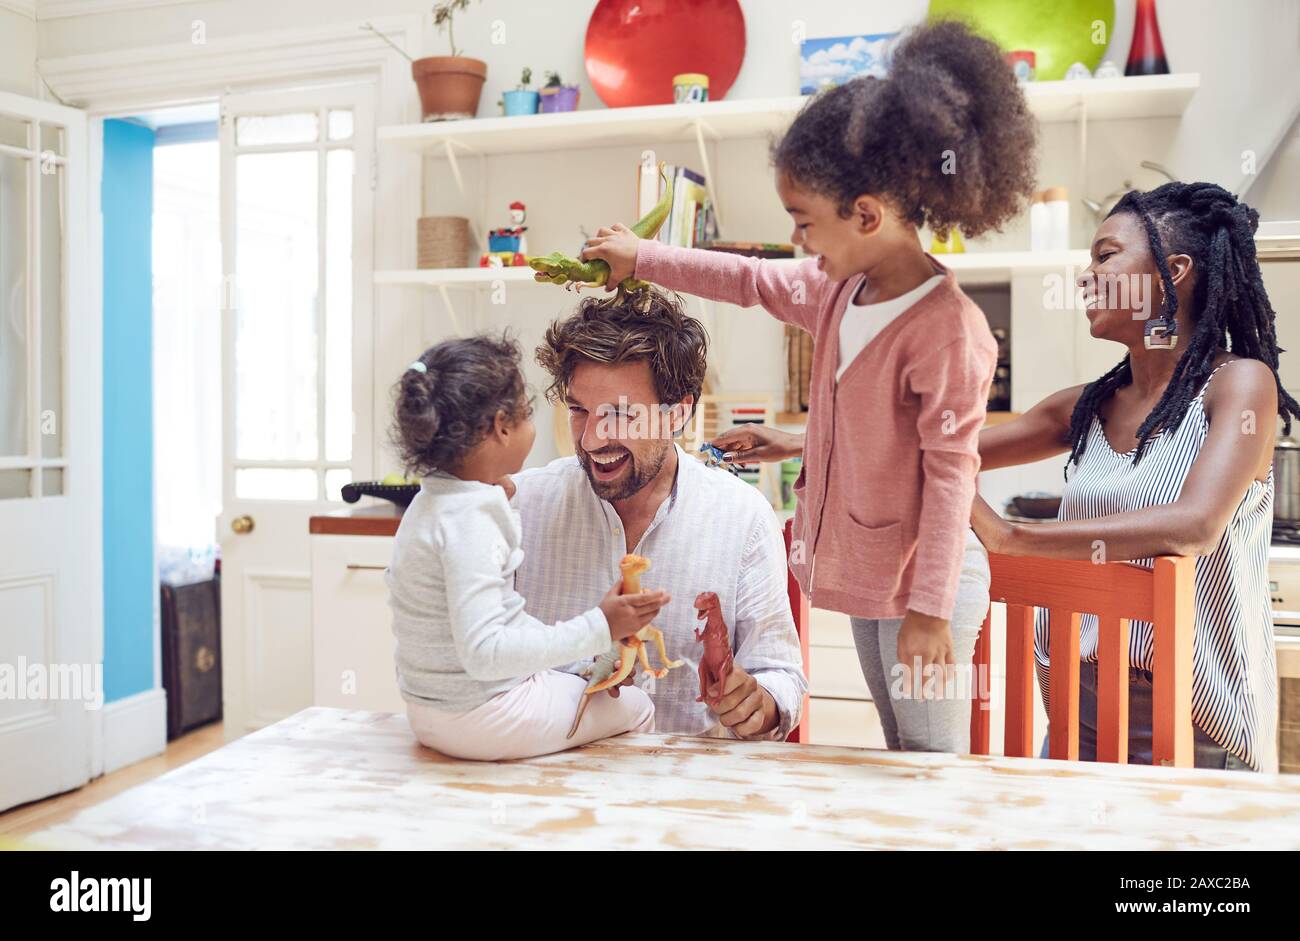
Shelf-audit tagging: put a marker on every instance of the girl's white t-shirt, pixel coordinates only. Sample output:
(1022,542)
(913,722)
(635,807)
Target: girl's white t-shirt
(862,322)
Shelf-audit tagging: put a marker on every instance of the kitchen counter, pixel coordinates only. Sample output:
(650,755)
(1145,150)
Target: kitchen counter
(348,779)
(376,520)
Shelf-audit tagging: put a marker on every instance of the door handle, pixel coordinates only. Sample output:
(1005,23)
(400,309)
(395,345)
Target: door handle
(242,524)
(353,566)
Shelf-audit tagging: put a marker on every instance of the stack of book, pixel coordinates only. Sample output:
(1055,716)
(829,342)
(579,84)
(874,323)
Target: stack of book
(690,220)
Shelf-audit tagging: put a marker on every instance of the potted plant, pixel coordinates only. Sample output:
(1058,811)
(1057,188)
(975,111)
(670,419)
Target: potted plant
(557,96)
(449,86)
(523,100)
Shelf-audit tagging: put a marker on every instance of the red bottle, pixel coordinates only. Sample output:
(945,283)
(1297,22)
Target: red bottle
(1146,55)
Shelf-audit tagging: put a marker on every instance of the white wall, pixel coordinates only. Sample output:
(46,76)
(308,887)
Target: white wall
(17,53)
(1276,192)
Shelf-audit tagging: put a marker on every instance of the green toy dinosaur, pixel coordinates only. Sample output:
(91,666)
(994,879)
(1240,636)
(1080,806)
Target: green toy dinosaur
(600,670)
(574,274)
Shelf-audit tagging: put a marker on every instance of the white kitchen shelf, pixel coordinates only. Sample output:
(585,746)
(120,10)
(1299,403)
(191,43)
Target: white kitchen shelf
(1109,99)
(455,277)
(1146,96)
(997,267)
(970,267)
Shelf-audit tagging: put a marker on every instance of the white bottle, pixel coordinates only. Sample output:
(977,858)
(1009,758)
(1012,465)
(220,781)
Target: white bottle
(1057,201)
(1037,222)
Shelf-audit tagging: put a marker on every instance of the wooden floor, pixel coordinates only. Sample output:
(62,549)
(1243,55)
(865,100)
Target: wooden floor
(39,815)
(340,779)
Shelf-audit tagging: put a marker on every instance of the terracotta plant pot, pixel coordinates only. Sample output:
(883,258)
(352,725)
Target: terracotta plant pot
(449,86)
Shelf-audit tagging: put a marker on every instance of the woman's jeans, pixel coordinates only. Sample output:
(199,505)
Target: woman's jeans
(1207,752)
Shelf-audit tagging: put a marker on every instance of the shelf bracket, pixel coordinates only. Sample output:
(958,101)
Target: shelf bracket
(452,162)
(700,127)
(451,311)
(449,150)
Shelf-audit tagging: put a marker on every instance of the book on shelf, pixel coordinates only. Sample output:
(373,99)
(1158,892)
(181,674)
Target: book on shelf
(690,218)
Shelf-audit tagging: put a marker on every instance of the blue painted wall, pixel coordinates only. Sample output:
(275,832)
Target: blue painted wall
(130,583)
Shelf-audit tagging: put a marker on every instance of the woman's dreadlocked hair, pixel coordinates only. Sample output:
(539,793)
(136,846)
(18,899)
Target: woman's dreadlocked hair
(1230,307)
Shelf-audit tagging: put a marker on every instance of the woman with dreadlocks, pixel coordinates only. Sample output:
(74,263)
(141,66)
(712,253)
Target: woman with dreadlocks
(1170,453)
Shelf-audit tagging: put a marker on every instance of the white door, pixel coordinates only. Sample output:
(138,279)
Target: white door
(51,561)
(296,172)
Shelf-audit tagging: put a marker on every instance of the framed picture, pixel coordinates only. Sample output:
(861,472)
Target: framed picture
(837,59)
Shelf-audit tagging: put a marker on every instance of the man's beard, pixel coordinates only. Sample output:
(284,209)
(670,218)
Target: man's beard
(634,480)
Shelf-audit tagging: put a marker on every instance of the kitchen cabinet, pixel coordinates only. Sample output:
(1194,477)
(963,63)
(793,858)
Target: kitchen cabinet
(352,639)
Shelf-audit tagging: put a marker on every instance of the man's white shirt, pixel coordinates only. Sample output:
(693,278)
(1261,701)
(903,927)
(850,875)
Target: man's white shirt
(714,532)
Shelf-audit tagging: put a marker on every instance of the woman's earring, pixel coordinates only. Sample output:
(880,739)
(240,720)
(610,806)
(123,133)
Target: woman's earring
(1161,332)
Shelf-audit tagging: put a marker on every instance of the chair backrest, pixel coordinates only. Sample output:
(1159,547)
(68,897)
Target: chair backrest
(799,610)
(1116,592)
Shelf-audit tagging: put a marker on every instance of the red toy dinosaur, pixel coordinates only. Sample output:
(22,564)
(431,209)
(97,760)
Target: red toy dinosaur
(715,665)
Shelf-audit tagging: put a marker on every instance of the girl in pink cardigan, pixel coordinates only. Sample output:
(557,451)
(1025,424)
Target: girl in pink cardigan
(902,358)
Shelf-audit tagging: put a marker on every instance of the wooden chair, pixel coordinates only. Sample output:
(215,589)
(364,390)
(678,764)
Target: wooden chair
(1116,592)
(799,610)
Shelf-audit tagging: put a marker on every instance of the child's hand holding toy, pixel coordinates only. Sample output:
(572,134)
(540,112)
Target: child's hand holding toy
(616,246)
(746,443)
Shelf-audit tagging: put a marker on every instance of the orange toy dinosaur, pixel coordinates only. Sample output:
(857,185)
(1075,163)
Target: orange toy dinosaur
(716,664)
(632,566)
(614,667)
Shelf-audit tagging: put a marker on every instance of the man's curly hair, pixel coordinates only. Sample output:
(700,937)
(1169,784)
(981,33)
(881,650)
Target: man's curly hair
(947,138)
(624,330)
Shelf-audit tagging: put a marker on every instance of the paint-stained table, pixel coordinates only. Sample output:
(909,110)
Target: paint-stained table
(333,778)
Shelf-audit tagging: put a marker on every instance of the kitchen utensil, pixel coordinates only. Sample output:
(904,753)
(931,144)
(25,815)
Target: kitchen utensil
(1286,480)
(1036,505)
(400,494)
(1100,209)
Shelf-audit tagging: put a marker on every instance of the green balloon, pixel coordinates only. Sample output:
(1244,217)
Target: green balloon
(1059,33)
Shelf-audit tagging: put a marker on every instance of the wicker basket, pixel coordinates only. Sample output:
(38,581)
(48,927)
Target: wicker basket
(443,242)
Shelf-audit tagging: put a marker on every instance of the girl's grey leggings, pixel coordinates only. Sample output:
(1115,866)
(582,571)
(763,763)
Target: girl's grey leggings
(910,724)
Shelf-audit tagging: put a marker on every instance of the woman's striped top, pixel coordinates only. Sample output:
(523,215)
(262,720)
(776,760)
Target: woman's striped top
(1234,684)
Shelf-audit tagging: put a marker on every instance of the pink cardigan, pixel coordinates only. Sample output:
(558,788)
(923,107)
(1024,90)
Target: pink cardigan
(891,455)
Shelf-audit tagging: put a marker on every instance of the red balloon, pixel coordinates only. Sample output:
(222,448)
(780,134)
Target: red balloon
(635,47)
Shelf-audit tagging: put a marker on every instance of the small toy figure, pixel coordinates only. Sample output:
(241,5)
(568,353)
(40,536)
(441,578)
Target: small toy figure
(715,457)
(518,214)
(615,665)
(716,664)
(508,246)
